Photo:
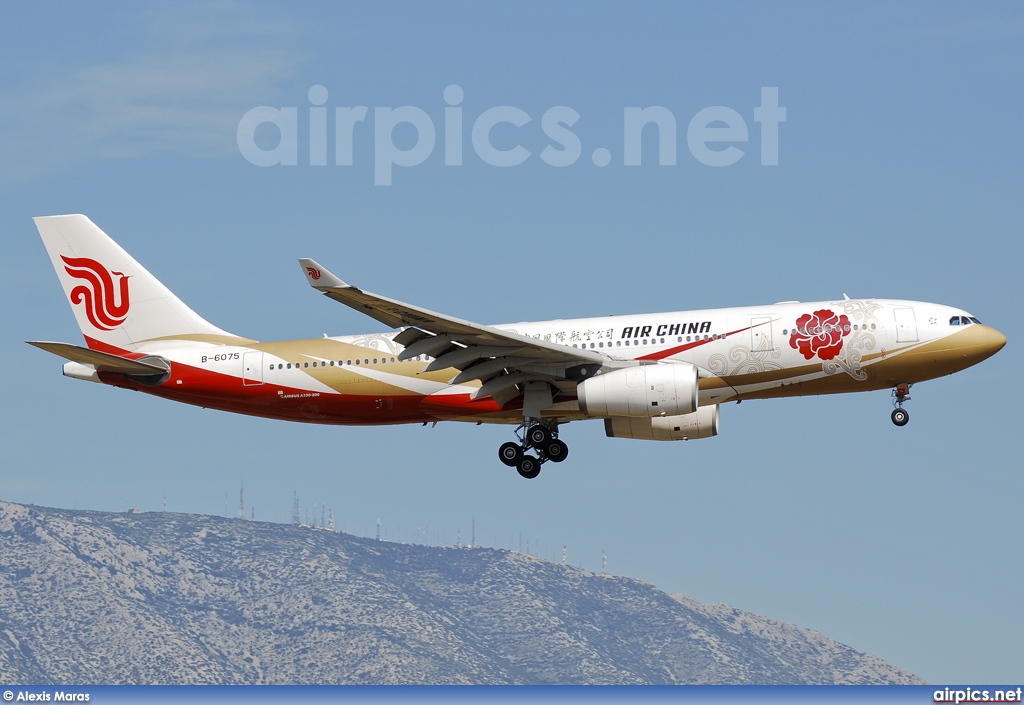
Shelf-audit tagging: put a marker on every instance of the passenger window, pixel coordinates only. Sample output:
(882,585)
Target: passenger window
(305,364)
(357,362)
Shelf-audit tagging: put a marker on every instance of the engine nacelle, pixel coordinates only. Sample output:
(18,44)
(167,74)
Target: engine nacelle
(664,389)
(703,423)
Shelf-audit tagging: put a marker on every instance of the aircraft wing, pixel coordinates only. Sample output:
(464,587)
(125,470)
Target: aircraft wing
(501,360)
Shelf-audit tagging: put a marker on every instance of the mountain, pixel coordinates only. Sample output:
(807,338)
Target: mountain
(93,597)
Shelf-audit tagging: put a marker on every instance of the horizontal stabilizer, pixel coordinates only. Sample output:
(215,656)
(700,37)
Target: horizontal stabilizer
(103,362)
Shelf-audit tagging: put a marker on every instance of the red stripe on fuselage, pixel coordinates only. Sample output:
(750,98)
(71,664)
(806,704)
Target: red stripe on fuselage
(662,354)
(215,390)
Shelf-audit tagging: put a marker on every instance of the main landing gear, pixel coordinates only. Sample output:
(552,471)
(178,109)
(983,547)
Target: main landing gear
(900,394)
(540,437)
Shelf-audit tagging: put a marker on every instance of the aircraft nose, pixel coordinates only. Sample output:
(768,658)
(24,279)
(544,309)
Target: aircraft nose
(974,343)
(991,339)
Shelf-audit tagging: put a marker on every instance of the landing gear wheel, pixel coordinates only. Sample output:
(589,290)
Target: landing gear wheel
(538,436)
(556,451)
(529,467)
(510,454)
(900,417)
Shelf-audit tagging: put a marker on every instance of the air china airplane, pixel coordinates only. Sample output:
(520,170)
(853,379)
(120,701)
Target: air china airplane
(657,376)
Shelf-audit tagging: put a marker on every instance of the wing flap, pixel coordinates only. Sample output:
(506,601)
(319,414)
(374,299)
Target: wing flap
(461,358)
(409,336)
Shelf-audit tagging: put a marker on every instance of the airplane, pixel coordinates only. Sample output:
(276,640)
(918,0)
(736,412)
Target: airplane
(654,376)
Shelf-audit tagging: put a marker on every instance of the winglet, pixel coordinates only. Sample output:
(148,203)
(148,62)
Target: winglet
(318,276)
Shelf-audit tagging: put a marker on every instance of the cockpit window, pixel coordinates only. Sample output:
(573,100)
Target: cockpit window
(963,320)
(975,320)
(954,321)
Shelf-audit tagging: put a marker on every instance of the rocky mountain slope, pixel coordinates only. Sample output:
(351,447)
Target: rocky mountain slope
(91,597)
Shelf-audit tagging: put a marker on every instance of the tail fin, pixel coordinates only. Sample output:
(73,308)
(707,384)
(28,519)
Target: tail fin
(116,301)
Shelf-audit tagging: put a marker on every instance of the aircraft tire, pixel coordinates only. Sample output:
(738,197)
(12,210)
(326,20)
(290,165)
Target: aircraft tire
(557,451)
(529,467)
(900,417)
(510,454)
(538,436)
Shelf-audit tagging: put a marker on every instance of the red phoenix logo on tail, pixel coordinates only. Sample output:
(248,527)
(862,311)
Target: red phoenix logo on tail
(98,296)
(313,272)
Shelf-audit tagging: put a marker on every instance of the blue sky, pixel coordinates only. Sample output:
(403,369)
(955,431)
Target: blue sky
(901,164)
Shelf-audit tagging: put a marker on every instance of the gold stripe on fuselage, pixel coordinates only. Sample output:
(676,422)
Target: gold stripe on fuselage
(346,378)
(884,369)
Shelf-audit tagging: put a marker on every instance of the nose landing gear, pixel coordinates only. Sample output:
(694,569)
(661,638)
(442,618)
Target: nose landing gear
(541,437)
(900,394)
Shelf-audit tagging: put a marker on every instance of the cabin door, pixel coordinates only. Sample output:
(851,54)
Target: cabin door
(906,325)
(761,334)
(252,368)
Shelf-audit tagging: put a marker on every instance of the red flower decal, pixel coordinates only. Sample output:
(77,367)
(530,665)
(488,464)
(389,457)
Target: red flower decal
(820,333)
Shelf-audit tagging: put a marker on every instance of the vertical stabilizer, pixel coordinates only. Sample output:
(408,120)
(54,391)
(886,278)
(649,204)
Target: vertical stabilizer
(116,301)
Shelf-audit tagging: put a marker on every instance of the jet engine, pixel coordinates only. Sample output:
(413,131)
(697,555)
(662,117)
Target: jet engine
(663,389)
(703,423)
